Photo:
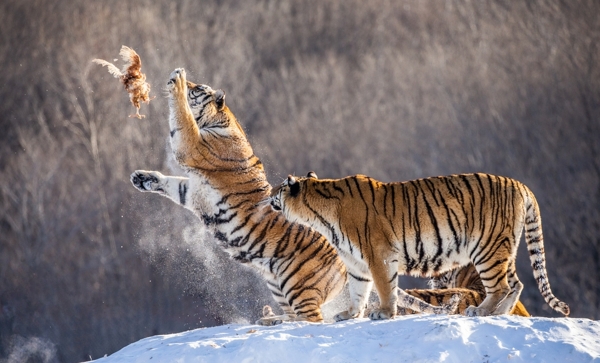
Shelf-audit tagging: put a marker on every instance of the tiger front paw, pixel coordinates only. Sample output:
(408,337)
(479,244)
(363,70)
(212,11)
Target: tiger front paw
(177,85)
(147,181)
(269,321)
(345,315)
(473,311)
(381,314)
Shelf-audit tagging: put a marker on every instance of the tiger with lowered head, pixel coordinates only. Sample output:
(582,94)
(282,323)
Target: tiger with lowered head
(225,187)
(424,228)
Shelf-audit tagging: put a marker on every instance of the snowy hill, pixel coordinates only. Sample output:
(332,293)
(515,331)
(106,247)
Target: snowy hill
(416,338)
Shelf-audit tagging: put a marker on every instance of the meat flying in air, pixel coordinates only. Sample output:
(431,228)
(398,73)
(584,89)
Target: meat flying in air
(131,76)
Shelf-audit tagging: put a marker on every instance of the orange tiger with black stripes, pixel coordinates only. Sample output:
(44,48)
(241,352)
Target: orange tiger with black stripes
(224,187)
(464,281)
(424,228)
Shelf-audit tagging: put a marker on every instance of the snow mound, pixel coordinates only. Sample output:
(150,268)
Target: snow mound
(416,338)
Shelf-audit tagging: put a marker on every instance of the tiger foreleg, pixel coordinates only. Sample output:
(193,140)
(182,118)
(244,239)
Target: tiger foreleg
(385,278)
(172,187)
(269,318)
(359,288)
(185,134)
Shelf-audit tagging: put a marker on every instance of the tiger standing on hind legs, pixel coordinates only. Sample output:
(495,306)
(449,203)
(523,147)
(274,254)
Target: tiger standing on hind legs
(224,184)
(424,228)
(226,187)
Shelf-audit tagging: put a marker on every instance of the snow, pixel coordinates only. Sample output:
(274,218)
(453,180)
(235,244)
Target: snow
(414,338)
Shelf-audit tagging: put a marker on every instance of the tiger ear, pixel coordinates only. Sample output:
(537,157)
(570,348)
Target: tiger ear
(220,98)
(294,186)
(312,175)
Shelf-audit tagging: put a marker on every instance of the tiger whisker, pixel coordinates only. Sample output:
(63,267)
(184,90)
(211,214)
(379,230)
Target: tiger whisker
(264,201)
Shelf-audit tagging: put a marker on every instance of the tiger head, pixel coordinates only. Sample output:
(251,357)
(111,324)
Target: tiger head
(288,191)
(208,106)
(203,99)
(466,277)
(443,281)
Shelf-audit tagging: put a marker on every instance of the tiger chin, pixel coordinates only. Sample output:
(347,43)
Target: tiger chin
(424,227)
(224,186)
(464,281)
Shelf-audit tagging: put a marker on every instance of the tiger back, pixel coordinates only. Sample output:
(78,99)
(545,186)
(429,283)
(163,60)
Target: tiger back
(424,227)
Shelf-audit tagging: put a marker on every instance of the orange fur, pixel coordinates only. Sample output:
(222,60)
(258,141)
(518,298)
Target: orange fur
(224,186)
(425,227)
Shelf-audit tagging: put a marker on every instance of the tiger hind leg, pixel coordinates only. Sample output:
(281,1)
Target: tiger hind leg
(493,273)
(269,318)
(520,310)
(508,305)
(493,299)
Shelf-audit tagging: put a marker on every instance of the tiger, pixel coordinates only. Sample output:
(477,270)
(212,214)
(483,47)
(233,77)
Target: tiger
(224,185)
(425,228)
(464,281)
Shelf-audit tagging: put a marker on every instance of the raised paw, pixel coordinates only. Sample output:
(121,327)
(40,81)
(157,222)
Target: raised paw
(147,181)
(380,314)
(177,82)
